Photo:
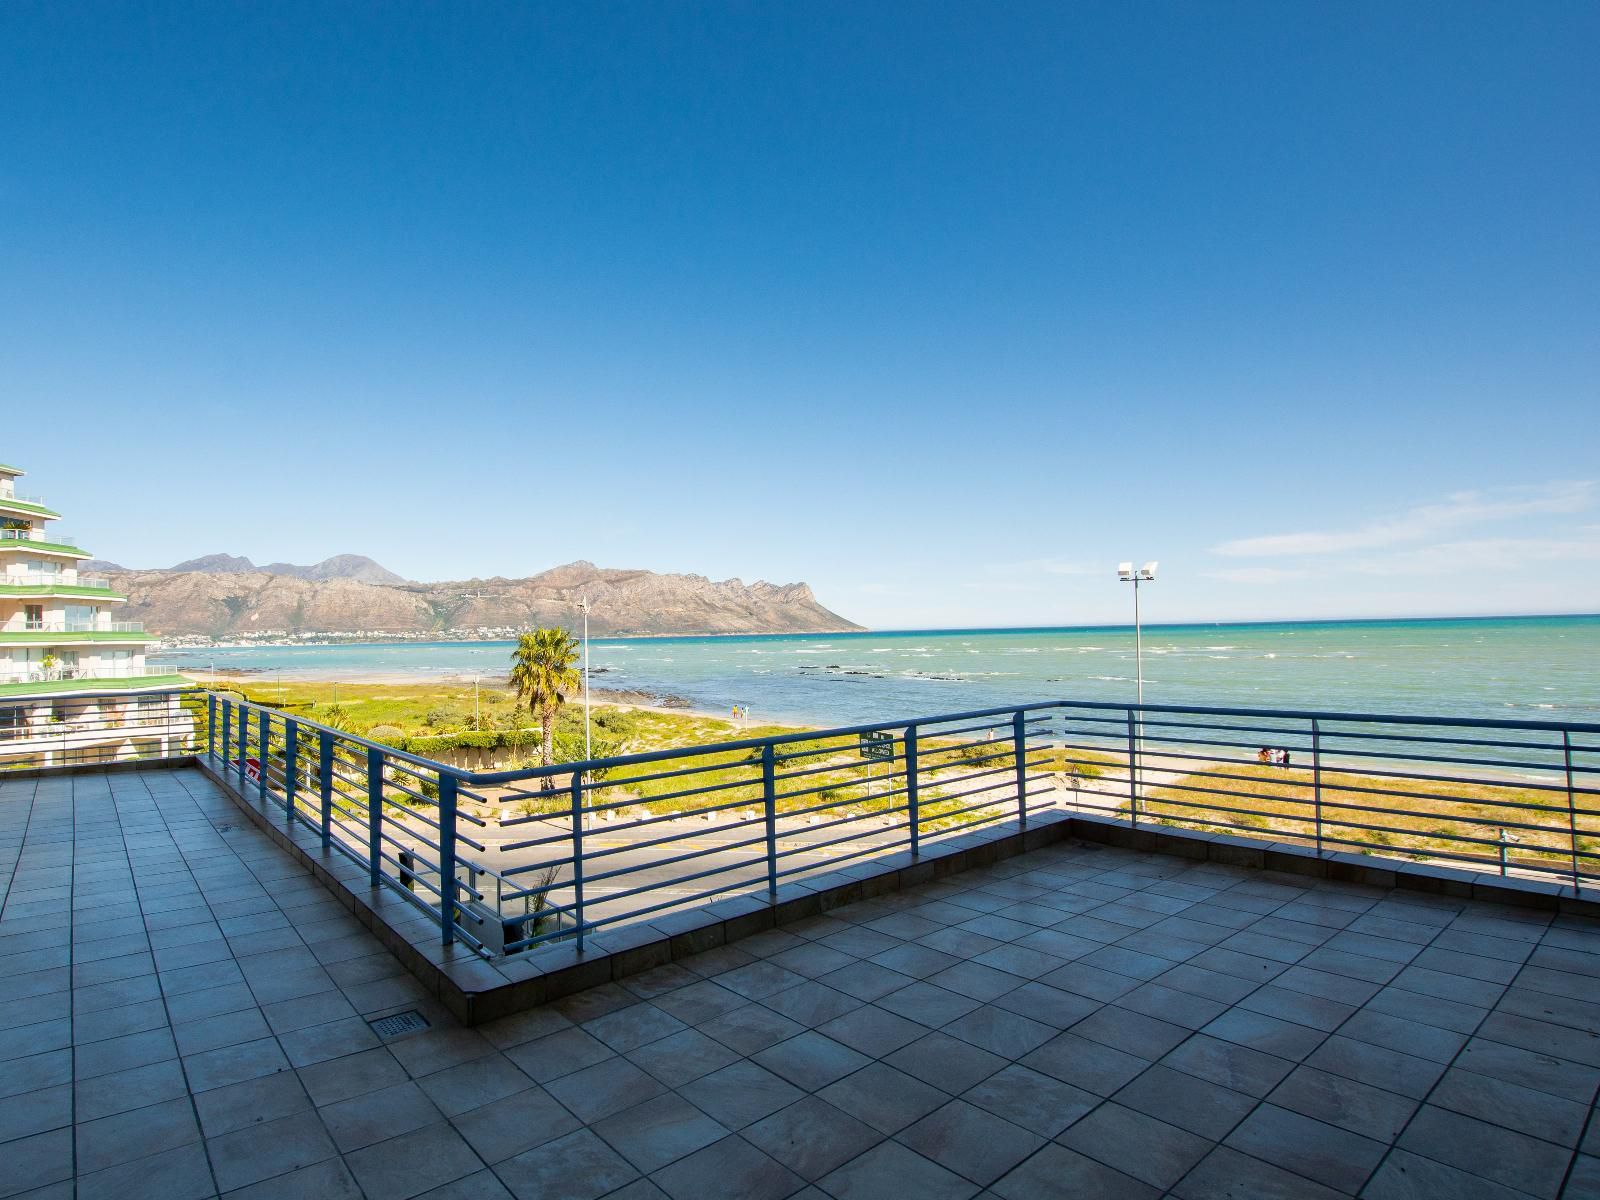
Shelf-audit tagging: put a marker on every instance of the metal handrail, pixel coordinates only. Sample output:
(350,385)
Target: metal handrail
(35,535)
(78,627)
(53,579)
(731,817)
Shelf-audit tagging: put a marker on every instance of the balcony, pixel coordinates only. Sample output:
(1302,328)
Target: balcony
(55,579)
(1072,1020)
(54,542)
(79,627)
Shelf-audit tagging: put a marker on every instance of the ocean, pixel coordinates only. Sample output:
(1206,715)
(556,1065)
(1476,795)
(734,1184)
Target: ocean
(1506,667)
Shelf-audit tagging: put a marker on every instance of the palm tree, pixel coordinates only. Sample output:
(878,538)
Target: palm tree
(544,670)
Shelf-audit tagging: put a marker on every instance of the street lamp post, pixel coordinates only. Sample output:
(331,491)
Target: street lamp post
(587,745)
(1145,574)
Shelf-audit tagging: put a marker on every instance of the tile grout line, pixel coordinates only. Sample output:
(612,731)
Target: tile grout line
(194,1105)
(1454,1058)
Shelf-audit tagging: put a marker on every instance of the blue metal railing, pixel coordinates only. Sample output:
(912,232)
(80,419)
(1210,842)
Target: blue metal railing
(507,860)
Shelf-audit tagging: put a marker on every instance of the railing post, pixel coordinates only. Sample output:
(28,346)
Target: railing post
(227,734)
(375,813)
(577,855)
(243,726)
(913,804)
(1572,809)
(1019,748)
(1133,770)
(263,736)
(447,857)
(1316,780)
(291,766)
(769,800)
(325,784)
(211,724)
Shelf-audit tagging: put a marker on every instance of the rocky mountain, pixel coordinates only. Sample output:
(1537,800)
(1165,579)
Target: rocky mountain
(217,601)
(216,564)
(340,566)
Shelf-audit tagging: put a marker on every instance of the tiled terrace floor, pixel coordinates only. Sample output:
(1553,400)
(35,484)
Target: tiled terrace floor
(183,1013)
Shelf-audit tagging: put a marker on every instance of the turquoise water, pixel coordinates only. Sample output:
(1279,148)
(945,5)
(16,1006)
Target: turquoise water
(1516,667)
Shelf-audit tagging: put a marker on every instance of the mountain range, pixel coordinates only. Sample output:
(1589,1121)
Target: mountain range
(341,566)
(220,594)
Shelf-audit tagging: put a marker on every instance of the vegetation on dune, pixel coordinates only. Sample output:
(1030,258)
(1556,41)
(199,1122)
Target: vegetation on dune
(434,719)
(1457,819)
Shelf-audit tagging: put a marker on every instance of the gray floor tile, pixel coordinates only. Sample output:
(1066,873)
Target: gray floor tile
(659,1131)
(1233,1066)
(514,1124)
(260,1152)
(578,1166)
(1057,1173)
(414,1163)
(1500,1103)
(1308,1147)
(812,1137)
(1507,1157)
(1226,1174)
(181,1173)
(377,1116)
(603,1089)
(946,1062)
(883,1097)
(892,1169)
(1187,1101)
(1037,1102)
(973,1142)
(740,1094)
(1347,1103)
(1137,1144)
(253,1102)
(731,1169)
(1407,1176)
(811,1060)
(328,1180)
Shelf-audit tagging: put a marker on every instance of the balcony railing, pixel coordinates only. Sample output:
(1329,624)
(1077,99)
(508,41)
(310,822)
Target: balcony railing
(53,579)
(36,535)
(38,674)
(508,860)
(30,626)
(99,727)
(21,497)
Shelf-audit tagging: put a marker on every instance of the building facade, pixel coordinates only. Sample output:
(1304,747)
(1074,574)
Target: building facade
(74,683)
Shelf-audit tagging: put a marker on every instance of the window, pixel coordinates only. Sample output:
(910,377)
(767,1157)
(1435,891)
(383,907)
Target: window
(33,616)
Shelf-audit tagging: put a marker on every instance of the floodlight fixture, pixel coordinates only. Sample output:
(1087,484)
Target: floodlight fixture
(1125,571)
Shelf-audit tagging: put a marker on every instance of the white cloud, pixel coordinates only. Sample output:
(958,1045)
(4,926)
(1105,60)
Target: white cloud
(1254,575)
(1481,555)
(1423,522)
(1048,566)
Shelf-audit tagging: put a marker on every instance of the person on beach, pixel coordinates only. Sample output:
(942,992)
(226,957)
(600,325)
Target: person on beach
(1263,755)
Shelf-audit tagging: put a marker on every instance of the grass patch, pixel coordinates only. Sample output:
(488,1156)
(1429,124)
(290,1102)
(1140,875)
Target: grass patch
(1454,819)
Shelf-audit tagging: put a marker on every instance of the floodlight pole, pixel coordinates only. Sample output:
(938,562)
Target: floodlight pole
(587,746)
(1138,642)
(1128,574)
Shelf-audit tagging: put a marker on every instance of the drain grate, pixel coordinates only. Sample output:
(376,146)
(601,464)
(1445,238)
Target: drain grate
(398,1023)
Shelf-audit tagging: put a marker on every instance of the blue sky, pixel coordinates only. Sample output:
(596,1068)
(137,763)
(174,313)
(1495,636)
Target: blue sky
(943,308)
